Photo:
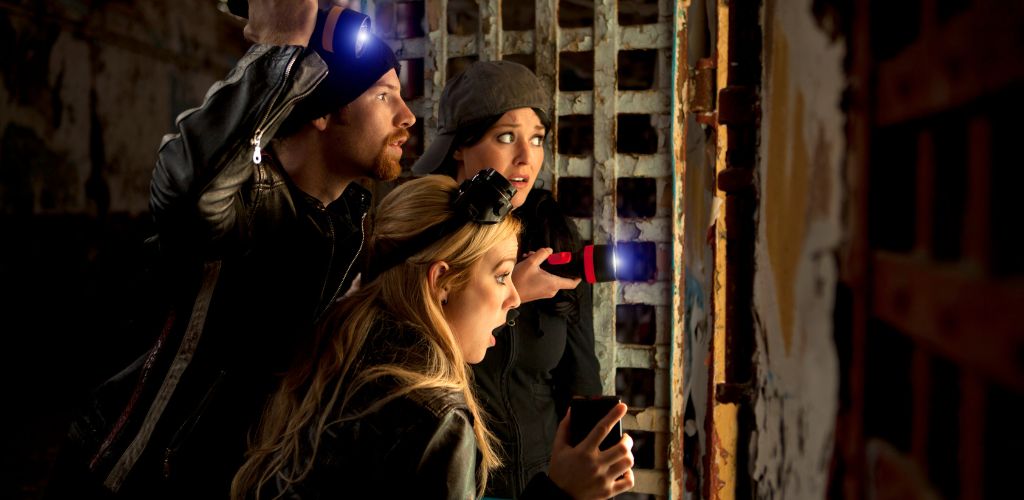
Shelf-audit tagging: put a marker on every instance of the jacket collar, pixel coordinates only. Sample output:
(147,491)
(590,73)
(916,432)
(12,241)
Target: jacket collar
(354,200)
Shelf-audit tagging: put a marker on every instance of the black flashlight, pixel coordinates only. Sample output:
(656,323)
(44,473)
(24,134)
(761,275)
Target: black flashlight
(338,30)
(594,263)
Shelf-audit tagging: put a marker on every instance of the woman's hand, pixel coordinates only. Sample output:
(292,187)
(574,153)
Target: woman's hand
(534,283)
(281,22)
(586,472)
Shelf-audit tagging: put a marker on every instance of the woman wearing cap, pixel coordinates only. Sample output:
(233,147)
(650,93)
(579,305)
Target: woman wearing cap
(494,115)
(385,409)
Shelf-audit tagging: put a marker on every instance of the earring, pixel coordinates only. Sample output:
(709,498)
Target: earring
(444,302)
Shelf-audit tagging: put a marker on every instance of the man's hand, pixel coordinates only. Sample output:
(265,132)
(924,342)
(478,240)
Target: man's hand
(534,283)
(281,22)
(586,472)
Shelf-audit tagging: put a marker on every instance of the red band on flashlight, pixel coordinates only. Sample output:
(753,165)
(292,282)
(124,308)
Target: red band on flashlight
(588,263)
(560,258)
(329,24)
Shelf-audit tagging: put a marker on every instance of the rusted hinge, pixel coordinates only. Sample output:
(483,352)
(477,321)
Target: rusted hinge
(738,175)
(702,91)
(737,105)
(734,393)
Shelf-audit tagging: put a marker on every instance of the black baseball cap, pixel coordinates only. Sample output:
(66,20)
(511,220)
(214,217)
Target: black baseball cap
(483,90)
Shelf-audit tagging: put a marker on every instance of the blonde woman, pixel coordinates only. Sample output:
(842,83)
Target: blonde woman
(384,407)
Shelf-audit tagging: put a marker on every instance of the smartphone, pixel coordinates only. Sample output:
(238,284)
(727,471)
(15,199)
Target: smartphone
(586,412)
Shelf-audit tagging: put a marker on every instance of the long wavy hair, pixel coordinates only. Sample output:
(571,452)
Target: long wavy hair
(315,395)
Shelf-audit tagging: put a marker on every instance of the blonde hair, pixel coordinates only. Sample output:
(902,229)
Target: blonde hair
(315,395)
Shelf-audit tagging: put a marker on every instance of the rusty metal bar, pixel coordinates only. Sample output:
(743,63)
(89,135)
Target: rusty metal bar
(517,42)
(720,464)
(946,308)
(925,192)
(575,39)
(645,36)
(907,89)
(977,237)
(972,437)
(436,64)
(545,52)
(605,163)
(738,112)
(855,259)
(490,30)
(920,373)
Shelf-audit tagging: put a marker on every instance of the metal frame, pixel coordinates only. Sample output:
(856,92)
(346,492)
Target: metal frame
(604,166)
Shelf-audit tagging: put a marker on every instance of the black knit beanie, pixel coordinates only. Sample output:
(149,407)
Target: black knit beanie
(348,76)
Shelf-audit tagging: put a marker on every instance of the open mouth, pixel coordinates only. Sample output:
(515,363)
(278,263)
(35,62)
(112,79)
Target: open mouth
(519,181)
(397,139)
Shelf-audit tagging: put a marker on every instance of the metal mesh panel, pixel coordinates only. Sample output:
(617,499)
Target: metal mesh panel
(454,32)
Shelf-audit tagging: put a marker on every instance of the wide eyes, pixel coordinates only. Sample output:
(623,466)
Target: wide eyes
(509,138)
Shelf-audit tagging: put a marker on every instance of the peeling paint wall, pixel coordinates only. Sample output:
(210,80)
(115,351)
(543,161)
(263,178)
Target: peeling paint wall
(89,89)
(799,229)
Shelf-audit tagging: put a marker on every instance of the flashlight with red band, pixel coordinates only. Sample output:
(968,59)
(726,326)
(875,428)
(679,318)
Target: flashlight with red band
(593,263)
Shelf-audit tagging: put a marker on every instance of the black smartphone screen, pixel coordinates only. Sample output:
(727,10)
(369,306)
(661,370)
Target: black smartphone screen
(586,412)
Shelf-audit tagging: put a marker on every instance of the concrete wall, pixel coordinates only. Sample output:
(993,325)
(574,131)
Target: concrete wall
(799,229)
(87,89)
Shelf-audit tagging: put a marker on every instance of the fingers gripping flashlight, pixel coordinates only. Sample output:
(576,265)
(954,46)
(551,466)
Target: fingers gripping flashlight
(340,30)
(594,263)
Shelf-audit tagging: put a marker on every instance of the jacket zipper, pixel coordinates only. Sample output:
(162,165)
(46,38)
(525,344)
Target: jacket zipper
(362,239)
(257,139)
(517,471)
(178,440)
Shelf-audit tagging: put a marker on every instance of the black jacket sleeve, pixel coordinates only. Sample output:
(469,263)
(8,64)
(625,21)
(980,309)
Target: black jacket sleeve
(448,464)
(201,169)
(578,371)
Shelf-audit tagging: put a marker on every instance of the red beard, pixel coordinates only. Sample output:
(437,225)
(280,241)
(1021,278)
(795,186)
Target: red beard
(387,166)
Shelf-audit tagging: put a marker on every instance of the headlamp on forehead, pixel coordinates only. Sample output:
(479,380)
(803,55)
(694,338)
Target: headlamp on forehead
(345,31)
(485,199)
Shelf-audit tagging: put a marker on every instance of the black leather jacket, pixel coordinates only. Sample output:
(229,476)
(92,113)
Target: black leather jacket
(252,262)
(543,356)
(420,445)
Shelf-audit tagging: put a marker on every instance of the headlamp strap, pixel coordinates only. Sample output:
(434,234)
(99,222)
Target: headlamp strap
(329,25)
(415,245)
(484,199)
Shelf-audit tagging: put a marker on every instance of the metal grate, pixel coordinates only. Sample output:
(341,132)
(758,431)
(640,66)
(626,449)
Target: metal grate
(929,285)
(589,150)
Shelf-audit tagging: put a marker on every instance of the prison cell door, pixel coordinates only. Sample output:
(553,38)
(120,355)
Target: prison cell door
(934,380)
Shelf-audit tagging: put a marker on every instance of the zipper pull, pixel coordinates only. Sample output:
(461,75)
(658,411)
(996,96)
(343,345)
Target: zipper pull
(257,154)
(167,463)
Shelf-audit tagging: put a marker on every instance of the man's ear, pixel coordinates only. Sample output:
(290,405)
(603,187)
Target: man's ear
(434,273)
(320,123)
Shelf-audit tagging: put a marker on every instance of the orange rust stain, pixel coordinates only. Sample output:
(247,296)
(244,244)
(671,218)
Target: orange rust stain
(786,185)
